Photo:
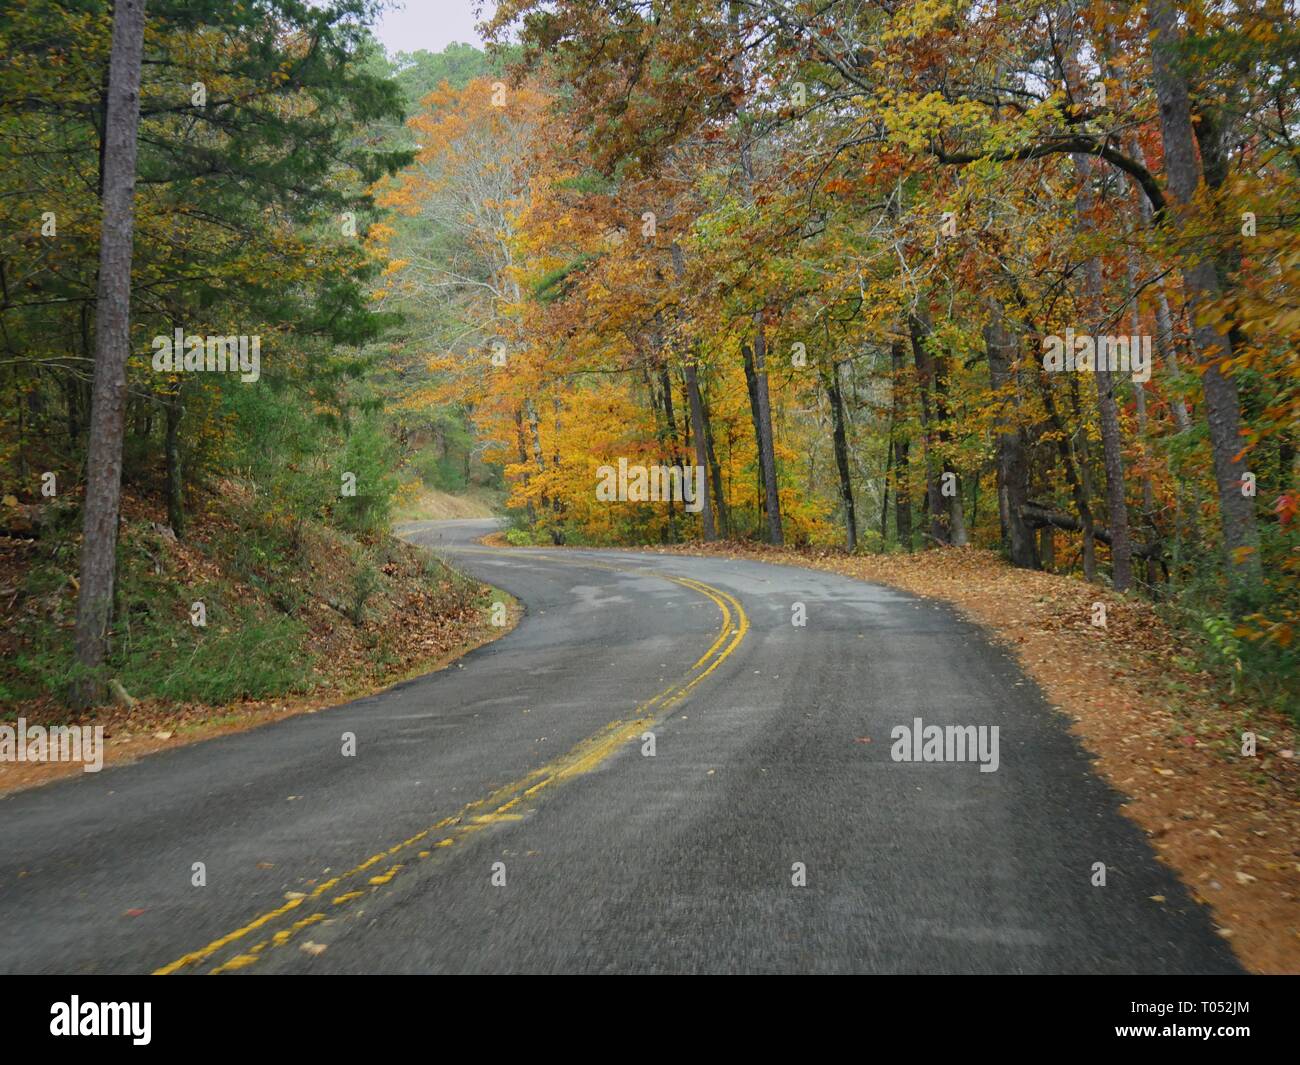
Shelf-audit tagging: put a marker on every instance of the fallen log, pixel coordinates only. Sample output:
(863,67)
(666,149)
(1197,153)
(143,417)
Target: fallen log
(1038,516)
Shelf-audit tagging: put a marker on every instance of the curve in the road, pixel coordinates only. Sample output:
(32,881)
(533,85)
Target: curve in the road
(504,804)
(772,758)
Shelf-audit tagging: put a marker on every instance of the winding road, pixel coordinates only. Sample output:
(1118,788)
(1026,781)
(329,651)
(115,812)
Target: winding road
(507,814)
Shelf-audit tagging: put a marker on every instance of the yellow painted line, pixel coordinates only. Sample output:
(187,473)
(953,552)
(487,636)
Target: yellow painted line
(206,952)
(726,625)
(582,758)
(384,878)
(240,961)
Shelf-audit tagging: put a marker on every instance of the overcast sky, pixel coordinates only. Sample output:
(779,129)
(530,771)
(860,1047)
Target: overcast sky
(431,24)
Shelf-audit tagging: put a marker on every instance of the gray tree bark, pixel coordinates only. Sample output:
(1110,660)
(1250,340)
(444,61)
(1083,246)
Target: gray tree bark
(761,401)
(1200,287)
(112,345)
(901,447)
(695,404)
(1112,441)
(766,446)
(1013,466)
(699,433)
(840,437)
(175,481)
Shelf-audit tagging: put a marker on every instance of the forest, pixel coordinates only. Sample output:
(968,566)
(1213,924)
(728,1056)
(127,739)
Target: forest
(899,277)
(894,277)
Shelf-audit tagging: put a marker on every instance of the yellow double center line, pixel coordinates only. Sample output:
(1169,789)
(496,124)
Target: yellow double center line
(505,804)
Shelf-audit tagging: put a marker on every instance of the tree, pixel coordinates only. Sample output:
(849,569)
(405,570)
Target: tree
(1201,285)
(981,181)
(112,344)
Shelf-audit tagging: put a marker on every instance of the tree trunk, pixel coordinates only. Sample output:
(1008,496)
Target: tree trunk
(761,402)
(1201,287)
(832,381)
(766,443)
(112,345)
(695,406)
(535,430)
(665,435)
(670,416)
(901,447)
(175,502)
(557,501)
(523,461)
(956,519)
(1047,548)
(884,491)
(751,386)
(700,435)
(943,417)
(1012,465)
(1140,396)
(723,521)
(940,527)
(1112,441)
(1085,483)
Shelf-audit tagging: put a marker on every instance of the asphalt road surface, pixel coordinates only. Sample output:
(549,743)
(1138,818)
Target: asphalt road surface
(505,814)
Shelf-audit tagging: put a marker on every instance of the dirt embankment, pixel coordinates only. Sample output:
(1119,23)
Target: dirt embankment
(296,620)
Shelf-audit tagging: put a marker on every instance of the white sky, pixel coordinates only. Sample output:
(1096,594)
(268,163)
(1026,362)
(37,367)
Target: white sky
(409,25)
